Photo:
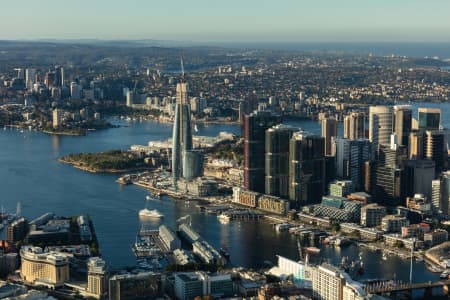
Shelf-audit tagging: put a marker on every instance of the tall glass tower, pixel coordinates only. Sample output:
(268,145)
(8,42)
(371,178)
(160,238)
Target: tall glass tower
(182,134)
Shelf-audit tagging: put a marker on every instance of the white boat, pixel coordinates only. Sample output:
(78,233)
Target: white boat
(444,274)
(282,227)
(195,128)
(150,213)
(223,218)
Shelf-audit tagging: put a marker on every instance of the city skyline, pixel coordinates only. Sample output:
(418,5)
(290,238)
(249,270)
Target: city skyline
(231,21)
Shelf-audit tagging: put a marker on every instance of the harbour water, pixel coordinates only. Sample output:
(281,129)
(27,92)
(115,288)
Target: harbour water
(31,174)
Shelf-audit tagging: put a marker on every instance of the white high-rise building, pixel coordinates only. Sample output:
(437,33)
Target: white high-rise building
(30,78)
(380,124)
(327,282)
(75,90)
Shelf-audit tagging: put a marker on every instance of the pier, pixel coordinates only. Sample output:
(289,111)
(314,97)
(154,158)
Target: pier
(393,288)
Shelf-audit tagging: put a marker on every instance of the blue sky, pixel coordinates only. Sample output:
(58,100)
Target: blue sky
(231,20)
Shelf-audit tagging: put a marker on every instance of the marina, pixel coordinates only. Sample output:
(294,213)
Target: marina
(30,158)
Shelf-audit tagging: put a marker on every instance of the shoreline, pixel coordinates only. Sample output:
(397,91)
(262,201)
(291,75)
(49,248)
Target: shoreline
(92,170)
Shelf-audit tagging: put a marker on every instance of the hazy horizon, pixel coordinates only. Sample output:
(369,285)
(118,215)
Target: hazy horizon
(200,21)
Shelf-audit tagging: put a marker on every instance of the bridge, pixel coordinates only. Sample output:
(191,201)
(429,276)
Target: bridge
(383,288)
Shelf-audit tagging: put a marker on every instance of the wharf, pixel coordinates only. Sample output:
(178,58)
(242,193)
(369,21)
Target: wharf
(237,214)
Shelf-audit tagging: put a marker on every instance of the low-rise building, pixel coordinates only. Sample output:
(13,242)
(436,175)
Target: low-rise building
(206,252)
(248,198)
(435,237)
(415,230)
(17,230)
(395,239)
(361,197)
(393,223)
(169,238)
(273,204)
(202,187)
(419,202)
(364,232)
(372,214)
(338,209)
(190,285)
(341,188)
(135,286)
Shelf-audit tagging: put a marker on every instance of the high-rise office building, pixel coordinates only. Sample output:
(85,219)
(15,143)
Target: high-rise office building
(351,156)
(354,126)
(50,79)
(182,133)
(306,169)
(192,164)
(57,115)
(445,192)
(277,160)
(59,76)
(429,118)
(402,123)
(435,148)
(329,130)
(255,126)
(20,73)
(418,177)
(97,284)
(75,90)
(30,78)
(387,185)
(416,144)
(380,124)
(436,195)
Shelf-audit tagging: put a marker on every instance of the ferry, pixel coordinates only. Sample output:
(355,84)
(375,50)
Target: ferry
(147,213)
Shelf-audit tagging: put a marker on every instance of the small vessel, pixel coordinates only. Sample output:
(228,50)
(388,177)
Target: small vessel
(223,218)
(150,213)
(444,274)
(384,256)
(195,128)
(224,253)
(282,227)
(312,250)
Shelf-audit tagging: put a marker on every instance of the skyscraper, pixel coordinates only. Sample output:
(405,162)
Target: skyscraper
(436,148)
(306,169)
(182,134)
(429,118)
(387,185)
(351,156)
(277,160)
(255,126)
(416,144)
(59,76)
(354,126)
(402,123)
(30,77)
(329,130)
(380,124)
